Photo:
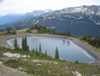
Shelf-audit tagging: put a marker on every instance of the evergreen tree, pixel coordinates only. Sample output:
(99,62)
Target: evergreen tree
(85,38)
(24,44)
(46,52)
(99,42)
(14,32)
(94,41)
(17,28)
(37,52)
(68,34)
(16,45)
(56,53)
(77,62)
(40,48)
(8,30)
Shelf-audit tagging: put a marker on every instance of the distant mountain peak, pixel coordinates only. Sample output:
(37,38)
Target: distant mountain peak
(48,10)
(82,20)
(88,10)
(17,17)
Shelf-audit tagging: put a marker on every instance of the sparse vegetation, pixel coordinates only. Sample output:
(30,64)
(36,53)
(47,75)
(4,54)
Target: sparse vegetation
(77,62)
(9,31)
(46,65)
(49,66)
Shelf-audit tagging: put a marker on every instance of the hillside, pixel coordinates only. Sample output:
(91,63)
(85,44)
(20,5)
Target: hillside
(41,64)
(15,18)
(83,20)
(7,71)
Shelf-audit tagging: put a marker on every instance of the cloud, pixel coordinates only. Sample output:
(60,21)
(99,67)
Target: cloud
(1,0)
(22,6)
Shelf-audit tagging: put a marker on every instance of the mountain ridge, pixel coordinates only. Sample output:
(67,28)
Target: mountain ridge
(83,20)
(14,18)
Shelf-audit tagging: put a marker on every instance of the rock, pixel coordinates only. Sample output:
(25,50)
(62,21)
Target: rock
(25,59)
(38,64)
(49,71)
(28,56)
(66,67)
(53,73)
(76,73)
(58,74)
(20,68)
(0,62)
(55,62)
(35,60)
(23,56)
(16,55)
(8,54)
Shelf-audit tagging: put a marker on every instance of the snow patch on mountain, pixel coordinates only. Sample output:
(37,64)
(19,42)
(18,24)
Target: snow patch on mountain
(36,22)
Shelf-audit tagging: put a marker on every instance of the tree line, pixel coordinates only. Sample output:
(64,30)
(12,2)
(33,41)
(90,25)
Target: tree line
(10,31)
(40,29)
(94,41)
(43,29)
(25,48)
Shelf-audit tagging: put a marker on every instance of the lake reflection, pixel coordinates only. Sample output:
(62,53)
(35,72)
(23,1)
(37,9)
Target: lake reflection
(66,49)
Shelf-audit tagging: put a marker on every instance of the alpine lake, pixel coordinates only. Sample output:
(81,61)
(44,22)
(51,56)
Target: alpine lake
(69,49)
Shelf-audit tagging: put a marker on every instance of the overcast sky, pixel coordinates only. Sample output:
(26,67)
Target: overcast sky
(22,6)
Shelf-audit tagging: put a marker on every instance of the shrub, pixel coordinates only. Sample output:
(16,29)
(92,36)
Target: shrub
(77,62)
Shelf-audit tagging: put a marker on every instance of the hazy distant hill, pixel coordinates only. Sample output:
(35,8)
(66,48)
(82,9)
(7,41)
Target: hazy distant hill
(13,18)
(83,20)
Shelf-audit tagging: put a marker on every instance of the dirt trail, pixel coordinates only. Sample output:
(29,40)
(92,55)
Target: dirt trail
(6,71)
